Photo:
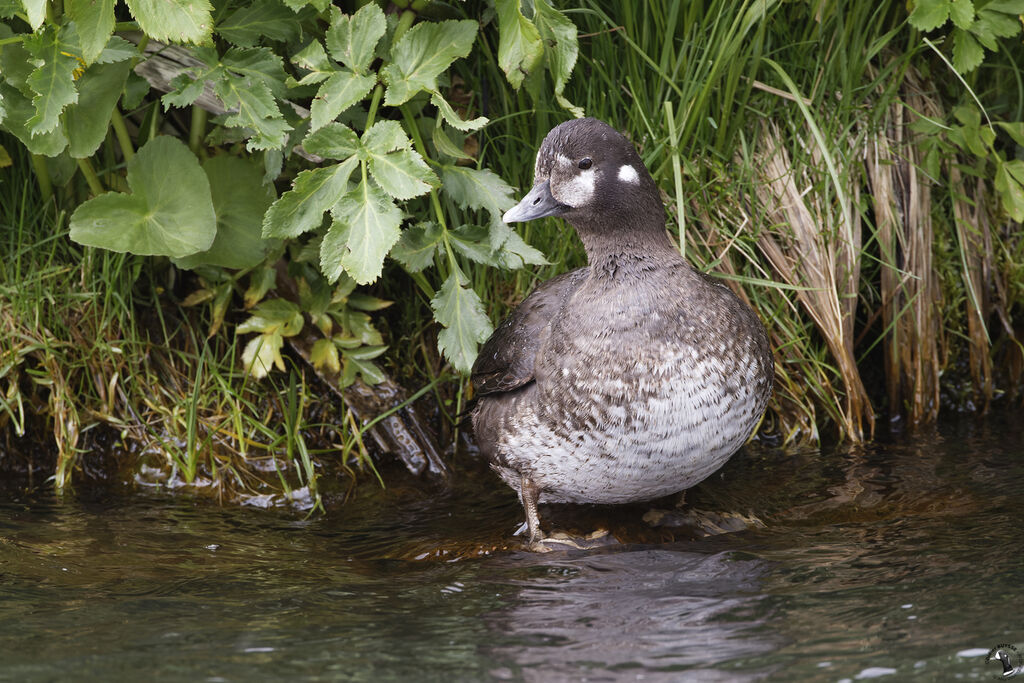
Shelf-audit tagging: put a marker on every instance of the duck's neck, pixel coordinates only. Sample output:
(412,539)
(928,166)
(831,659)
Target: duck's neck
(617,253)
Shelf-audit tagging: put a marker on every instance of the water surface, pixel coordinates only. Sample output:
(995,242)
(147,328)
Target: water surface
(897,561)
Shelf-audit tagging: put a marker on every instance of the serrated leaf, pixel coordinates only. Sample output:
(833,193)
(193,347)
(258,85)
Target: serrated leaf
(249,24)
(333,141)
(473,241)
(558,35)
(87,121)
(186,89)
(477,189)
(239,201)
(95,22)
(384,137)
(466,326)
(340,91)
(520,49)
(277,316)
(302,208)
(296,5)
(967,51)
(453,119)
(36,11)
(324,355)
(510,250)
(18,110)
(962,13)
(169,211)
(444,144)
(262,353)
(180,21)
(996,24)
(402,174)
(52,80)
(928,15)
(415,249)
(117,49)
(353,40)
(254,65)
(313,58)
(364,230)
(422,54)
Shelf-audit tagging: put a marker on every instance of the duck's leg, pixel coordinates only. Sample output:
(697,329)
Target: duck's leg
(528,493)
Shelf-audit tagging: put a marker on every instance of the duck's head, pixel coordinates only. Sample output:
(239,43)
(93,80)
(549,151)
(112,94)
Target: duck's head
(590,175)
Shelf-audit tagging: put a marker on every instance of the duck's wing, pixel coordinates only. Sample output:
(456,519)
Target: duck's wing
(506,360)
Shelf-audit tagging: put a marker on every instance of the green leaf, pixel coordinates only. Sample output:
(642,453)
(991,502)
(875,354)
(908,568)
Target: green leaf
(477,189)
(928,15)
(302,208)
(1009,187)
(995,24)
(239,201)
(324,355)
(415,249)
(473,241)
(86,122)
(364,230)
(314,59)
(384,137)
(511,251)
(422,54)
(169,211)
(560,48)
(53,78)
(962,13)
(444,144)
(333,141)
(402,174)
(466,326)
(18,110)
(277,316)
(453,118)
(181,21)
(353,40)
(1015,130)
(270,19)
(36,11)
(365,302)
(520,49)
(340,91)
(95,22)
(967,52)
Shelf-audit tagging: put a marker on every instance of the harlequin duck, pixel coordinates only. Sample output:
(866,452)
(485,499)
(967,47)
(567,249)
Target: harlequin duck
(631,378)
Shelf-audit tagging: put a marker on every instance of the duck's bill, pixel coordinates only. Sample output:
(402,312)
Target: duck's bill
(538,203)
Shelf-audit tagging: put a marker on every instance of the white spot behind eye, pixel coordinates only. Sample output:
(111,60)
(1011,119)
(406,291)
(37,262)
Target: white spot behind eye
(577,191)
(628,174)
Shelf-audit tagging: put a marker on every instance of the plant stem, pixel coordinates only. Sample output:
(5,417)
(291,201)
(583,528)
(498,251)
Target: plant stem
(124,140)
(374,103)
(404,22)
(85,166)
(42,176)
(197,130)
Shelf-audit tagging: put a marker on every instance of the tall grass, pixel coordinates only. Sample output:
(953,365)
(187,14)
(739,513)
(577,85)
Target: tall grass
(783,137)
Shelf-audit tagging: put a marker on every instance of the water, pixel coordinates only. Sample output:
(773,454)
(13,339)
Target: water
(898,561)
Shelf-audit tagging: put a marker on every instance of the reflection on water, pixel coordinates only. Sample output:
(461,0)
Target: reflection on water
(898,561)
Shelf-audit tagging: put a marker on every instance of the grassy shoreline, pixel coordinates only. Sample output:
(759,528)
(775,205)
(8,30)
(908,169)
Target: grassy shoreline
(830,166)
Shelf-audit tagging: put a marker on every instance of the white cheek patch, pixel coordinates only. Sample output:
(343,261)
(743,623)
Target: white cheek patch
(579,190)
(628,174)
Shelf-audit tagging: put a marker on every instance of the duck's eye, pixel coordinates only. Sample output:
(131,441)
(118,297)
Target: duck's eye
(585,163)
